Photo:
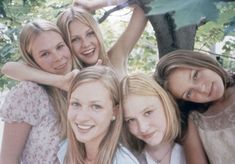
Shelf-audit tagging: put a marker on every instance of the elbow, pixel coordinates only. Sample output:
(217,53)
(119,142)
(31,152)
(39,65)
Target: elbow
(6,68)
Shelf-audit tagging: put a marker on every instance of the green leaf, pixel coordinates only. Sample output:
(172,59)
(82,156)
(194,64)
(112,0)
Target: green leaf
(186,12)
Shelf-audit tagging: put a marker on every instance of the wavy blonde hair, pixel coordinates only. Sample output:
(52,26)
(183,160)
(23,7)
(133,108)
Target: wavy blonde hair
(143,85)
(75,14)
(76,150)
(27,36)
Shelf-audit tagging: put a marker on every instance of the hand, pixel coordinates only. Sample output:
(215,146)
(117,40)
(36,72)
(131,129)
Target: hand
(84,4)
(99,62)
(67,79)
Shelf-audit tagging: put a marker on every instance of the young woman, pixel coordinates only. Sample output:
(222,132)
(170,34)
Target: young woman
(152,121)
(35,115)
(199,83)
(95,119)
(86,43)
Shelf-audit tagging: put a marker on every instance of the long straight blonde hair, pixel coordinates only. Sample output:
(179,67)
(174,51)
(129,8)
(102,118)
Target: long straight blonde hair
(143,85)
(75,14)
(76,153)
(27,36)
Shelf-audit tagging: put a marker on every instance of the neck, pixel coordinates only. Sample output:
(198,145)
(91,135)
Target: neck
(91,152)
(161,152)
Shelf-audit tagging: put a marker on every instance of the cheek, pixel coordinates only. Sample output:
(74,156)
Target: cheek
(133,129)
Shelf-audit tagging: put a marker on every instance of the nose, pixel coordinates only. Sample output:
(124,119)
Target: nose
(143,126)
(203,88)
(58,56)
(81,114)
(85,43)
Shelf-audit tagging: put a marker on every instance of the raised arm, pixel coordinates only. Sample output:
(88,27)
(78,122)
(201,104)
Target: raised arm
(92,5)
(120,51)
(20,71)
(194,151)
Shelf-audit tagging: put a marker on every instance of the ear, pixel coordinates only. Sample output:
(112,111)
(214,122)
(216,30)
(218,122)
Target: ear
(115,111)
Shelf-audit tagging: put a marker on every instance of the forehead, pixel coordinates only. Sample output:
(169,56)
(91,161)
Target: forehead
(92,90)
(77,26)
(45,40)
(135,104)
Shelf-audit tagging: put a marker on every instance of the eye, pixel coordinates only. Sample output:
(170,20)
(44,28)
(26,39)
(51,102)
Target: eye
(91,33)
(76,39)
(95,107)
(195,75)
(74,104)
(45,54)
(147,113)
(60,46)
(188,94)
(129,121)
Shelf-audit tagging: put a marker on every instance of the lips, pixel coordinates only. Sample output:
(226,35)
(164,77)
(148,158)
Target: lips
(61,66)
(84,128)
(89,52)
(147,136)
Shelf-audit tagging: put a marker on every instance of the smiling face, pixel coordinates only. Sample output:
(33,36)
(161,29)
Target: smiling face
(90,112)
(85,44)
(145,118)
(50,52)
(196,84)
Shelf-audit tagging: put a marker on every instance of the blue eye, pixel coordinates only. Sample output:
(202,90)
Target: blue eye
(96,107)
(74,104)
(147,113)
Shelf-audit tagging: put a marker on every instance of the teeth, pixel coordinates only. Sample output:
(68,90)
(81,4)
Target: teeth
(88,51)
(85,127)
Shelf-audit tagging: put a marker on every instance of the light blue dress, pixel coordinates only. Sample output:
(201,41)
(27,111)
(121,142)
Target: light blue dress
(122,156)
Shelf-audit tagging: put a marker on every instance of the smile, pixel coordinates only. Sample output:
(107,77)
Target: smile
(61,66)
(84,128)
(147,136)
(88,52)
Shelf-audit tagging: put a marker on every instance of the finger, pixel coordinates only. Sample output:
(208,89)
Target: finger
(99,62)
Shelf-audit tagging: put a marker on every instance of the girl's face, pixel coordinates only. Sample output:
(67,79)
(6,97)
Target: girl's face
(196,84)
(90,112)
(51,53)
(145,118)
(85,44)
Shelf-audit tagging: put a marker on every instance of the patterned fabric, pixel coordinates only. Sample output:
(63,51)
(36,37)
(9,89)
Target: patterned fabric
(28,102)
(217,133)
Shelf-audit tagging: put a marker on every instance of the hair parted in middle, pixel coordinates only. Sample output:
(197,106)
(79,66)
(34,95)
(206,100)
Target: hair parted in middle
(143,85)
(108,146)
(77,14)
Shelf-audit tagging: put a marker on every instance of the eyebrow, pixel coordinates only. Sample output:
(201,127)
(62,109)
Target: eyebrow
(143,111)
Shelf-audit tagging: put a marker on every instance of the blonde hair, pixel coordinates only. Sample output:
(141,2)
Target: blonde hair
(75,14)
(27,36)
(107,148)
(143,85)
(187,58)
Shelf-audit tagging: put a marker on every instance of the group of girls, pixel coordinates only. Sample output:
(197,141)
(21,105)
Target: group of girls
(109,116)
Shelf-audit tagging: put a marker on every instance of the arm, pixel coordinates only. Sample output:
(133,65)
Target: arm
(194,151)
(92,5)
(14,138)
(120,51)
(20,71)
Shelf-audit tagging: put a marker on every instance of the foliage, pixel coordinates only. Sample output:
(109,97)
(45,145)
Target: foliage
(187,12)
(14,14)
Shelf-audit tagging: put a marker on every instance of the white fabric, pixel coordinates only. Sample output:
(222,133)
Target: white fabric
(122,156)
(177,156)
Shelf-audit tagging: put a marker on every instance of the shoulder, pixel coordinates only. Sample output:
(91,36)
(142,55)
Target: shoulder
(123,155)
(178,154)
(62,151)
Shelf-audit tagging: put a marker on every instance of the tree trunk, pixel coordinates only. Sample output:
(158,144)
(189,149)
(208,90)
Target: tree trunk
(168,38)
